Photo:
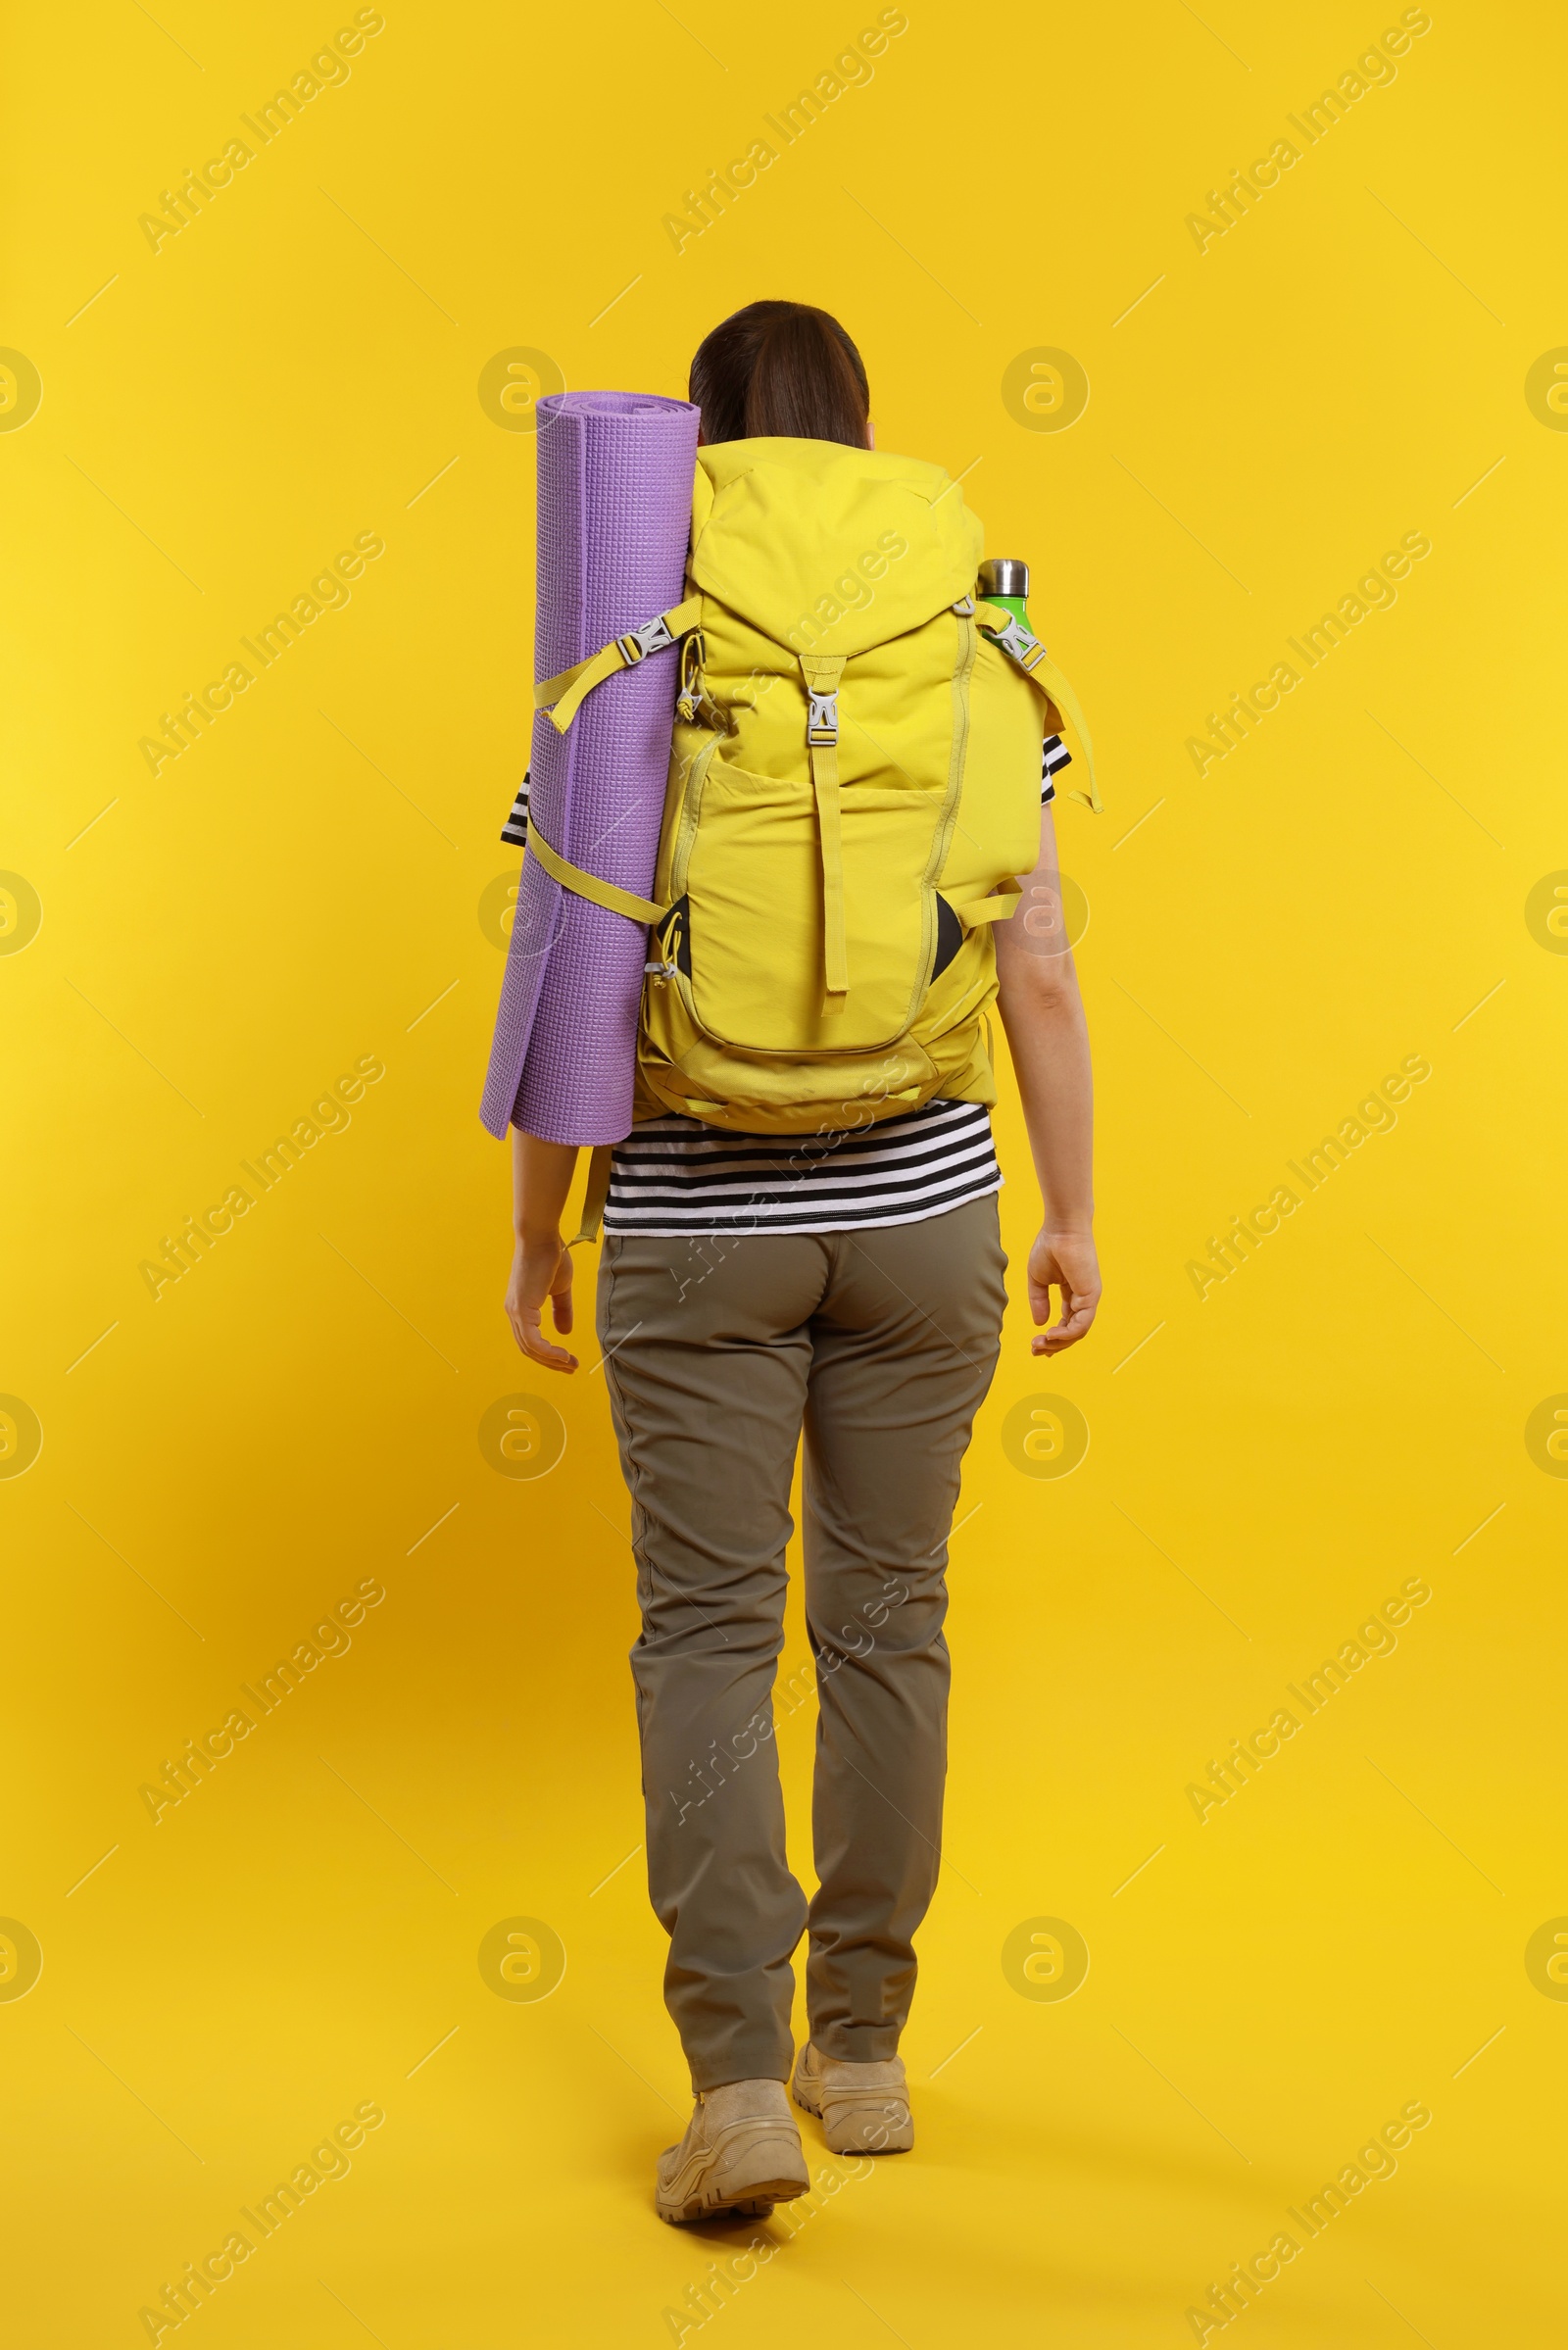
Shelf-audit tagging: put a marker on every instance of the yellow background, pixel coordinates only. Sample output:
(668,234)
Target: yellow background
(298,1412)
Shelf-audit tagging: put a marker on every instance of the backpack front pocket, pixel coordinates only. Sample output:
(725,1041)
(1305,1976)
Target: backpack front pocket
(752,881)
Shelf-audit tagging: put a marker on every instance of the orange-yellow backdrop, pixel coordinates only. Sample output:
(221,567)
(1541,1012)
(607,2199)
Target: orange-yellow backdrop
(193,425)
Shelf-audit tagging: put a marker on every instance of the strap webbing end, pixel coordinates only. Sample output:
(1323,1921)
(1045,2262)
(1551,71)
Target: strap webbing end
(594,1197)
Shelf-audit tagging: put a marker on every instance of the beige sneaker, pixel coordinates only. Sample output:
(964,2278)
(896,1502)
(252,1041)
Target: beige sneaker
(740,2152)
(864,2109)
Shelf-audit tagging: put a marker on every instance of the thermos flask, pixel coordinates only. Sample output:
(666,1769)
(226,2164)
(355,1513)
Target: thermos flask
(1005,580)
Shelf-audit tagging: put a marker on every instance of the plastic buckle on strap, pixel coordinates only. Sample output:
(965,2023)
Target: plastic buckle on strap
(692,656)
(652,637)
(822,726)
(1025,647)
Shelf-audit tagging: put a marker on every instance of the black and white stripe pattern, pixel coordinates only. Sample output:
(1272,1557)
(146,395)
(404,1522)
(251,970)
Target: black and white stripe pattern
(514,831)
(673,1175)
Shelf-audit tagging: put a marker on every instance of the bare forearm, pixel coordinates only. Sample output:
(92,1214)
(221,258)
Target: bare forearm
(541,1178)
(541,1262)
(1048,1040)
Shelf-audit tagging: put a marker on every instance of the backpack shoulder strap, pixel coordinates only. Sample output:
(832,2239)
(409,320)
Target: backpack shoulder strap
(1017,641)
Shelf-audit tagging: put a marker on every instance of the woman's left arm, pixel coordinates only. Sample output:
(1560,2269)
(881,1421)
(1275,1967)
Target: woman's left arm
(541,1262)
(1048,1036)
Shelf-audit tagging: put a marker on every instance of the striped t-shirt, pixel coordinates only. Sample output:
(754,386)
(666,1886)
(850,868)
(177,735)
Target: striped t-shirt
(674,1176)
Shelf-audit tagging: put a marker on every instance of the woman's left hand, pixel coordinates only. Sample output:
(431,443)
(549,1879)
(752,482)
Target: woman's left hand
(541,1268)
(1065,1261)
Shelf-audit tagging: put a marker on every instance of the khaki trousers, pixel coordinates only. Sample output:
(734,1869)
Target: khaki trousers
(719,1350)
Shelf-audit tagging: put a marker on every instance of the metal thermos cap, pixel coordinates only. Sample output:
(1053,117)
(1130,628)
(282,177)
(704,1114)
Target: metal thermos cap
(1004,575)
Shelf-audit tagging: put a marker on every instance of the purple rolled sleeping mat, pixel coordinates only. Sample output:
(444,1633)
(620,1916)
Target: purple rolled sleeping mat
(616,475)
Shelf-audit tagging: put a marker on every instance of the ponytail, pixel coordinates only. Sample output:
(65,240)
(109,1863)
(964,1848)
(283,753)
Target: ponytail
(781,367)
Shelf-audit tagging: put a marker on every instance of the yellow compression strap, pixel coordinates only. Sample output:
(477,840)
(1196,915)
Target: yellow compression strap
(1000,908)
(1043,673)
(822,672)
(589,885)
(594,1197)
(567,691)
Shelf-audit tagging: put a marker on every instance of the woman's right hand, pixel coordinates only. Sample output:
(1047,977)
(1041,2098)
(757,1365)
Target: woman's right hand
(541,1269)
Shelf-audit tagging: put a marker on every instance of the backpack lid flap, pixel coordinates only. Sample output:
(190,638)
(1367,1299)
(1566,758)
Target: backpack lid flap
(828,548)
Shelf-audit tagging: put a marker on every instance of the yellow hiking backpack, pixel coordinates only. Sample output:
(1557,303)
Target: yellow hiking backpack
(853,786)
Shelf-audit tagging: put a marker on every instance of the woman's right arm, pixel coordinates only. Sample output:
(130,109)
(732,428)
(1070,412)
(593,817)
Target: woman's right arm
(541,1263)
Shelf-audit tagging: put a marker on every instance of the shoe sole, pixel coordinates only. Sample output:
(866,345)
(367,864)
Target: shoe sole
(906,2129)
(704,2190)
(757,2201)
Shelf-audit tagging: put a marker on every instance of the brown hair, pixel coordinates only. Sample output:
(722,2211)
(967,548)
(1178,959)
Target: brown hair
(781,367)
